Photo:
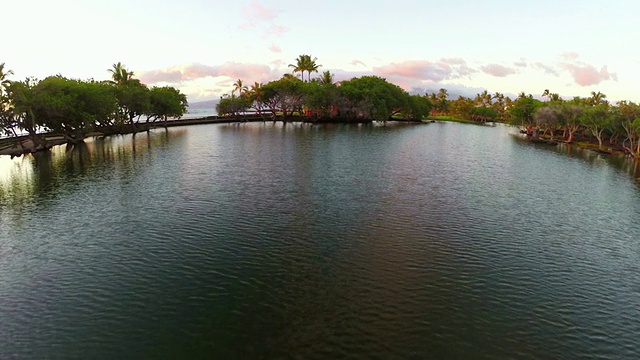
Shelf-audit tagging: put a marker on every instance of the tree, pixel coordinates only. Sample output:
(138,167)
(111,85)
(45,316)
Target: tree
(166,102)
(8,123)
(522,111)
(548,118)
(232,105)
(133,101)
(304,63)
(71,107)
(597,98)
(442,102)
(571,115)
(628,116)
(418,107)
(119,74)
(20,96)
(484,114)
(373,98)
(596,119)
(239,87)
(326,78)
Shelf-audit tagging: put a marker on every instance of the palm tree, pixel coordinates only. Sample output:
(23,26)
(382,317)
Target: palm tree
(299,66)
(4,75)
(305,63)
(311,66)
(239,86)
(120,74)
(546,94)
(598,98)
(326,78)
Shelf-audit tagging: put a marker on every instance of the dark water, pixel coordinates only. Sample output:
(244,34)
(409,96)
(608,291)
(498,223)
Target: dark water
(265,241)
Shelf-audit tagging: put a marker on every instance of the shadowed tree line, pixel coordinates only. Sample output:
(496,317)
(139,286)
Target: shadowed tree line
(554,119)
(73,108)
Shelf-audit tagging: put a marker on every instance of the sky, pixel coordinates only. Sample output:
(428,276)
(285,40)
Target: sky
(202,47)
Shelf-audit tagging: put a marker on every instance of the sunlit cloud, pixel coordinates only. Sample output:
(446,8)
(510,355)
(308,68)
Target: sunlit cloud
(424,70)
(586,75)
(497,70)
(189,72)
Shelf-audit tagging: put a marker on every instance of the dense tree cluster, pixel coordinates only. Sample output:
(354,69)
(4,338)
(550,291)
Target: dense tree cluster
(360,99)
(74,108)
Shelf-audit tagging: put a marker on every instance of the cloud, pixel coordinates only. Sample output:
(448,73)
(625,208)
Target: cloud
(497,70)
(546,69)
(189,72)
(256,13)
(521,63)
(261,18)
(357,62)
(586,75)
(425,70)
(415,69)
(275,48)
(453,61)
(569,56)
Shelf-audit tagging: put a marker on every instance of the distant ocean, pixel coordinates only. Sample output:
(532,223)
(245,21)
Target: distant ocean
(201,109)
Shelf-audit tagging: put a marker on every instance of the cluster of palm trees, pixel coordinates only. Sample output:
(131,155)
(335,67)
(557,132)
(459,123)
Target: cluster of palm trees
(304,63)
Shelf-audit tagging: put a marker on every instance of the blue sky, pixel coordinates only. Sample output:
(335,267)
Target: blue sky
(202,47)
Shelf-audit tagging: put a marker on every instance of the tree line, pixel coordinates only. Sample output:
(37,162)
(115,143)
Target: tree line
(74,108)
(553,118)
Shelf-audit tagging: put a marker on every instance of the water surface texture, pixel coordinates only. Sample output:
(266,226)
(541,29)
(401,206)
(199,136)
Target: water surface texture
(334,241)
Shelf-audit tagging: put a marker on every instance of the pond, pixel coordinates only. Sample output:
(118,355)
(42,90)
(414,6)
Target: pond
(268,240)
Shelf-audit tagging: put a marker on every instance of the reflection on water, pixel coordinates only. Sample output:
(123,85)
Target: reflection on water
(623,163)
(39,175)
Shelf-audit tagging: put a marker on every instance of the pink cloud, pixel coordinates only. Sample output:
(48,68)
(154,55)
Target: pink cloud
(416,69)
(257,16)
(276,30)
(275,48)
(586,75)
(255,12)
(182,73)
(426,70)
(497,70)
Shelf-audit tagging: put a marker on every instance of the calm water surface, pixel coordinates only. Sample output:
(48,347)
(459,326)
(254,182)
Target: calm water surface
(299,241)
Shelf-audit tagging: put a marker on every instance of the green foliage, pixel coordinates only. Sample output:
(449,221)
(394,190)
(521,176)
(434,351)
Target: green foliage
(166,102)
(321,99)
(419,107)
(133,100)
(73,107)
(233,105)
(372,97)
(482,113)
(596,119)
(523,109)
